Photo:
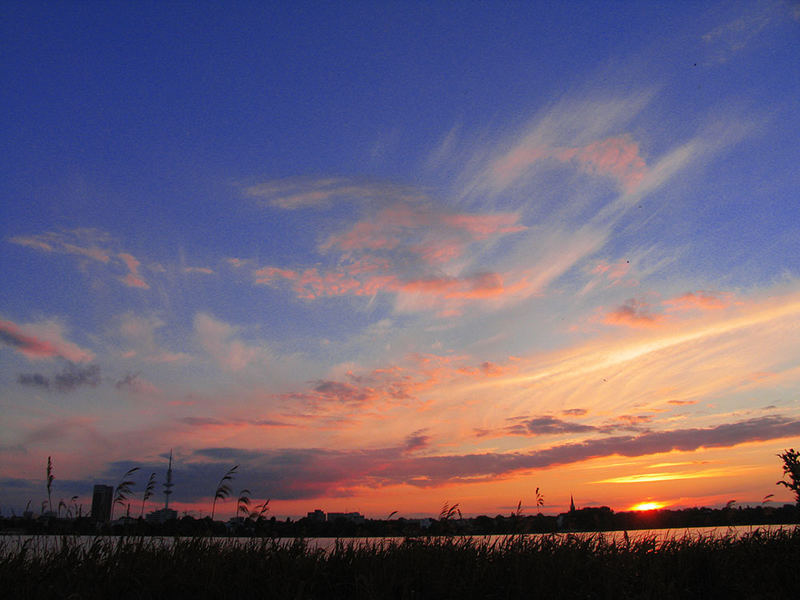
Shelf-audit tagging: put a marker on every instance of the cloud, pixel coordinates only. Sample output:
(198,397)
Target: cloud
(546,425)
(41,340)
(133,278)
(34,380)
(220,340)
(71,378)
(406,250)
(634,313)
(574,412)
(729,38)
(134,382)
(305,192)
(617,157)
(416,441)
(316,472)
(213,423)
(137,338)
(82,242)
(29,346)
(699,300)
(205,270)
(86,243)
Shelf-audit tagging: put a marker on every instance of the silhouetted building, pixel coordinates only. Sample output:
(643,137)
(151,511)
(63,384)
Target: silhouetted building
(162,515)
(317,516)
(352,517)
(102,496)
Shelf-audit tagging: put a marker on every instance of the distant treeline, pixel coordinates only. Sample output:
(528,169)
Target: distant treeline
(586,519)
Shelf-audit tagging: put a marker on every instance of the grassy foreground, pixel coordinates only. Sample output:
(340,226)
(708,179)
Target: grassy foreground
(759,565)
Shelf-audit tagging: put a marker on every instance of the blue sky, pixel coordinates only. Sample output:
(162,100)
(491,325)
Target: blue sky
(392,237)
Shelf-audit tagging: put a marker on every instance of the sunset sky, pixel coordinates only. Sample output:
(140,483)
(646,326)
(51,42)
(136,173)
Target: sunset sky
(388,255)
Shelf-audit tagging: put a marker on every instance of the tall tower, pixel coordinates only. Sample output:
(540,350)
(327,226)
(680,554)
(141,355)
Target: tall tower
(571,504)
(168,485)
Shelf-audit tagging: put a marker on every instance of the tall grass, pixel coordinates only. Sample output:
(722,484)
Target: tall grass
(760,565)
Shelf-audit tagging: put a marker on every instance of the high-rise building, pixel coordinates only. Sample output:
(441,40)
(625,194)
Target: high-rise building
(102,496)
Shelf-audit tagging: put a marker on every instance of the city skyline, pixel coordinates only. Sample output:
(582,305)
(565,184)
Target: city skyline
(384,257)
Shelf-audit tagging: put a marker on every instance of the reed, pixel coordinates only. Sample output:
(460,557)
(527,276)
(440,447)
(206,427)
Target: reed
(762,564)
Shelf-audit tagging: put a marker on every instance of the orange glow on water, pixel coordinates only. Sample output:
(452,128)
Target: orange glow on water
(642,506)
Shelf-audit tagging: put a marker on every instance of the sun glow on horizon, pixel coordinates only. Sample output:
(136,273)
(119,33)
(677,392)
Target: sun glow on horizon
(643,506)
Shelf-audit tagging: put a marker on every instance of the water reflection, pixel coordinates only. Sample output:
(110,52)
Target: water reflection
(35,544)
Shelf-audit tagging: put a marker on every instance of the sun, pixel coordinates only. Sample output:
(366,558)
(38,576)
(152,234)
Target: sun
(647,506)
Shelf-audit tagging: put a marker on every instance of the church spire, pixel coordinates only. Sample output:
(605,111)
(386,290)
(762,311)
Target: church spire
(571,504)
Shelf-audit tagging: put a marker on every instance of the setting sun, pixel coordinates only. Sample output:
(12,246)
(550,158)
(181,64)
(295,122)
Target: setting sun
(642,506)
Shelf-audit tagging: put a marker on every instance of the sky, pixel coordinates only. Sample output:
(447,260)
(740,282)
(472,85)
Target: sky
(384,256)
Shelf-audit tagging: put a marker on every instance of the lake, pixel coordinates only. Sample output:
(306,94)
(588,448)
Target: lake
(11,544)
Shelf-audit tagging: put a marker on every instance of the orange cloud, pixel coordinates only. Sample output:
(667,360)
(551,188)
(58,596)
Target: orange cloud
(699,300)
(634,313)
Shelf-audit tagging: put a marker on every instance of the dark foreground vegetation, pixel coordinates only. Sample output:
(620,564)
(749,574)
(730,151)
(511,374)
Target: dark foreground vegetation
(762,564)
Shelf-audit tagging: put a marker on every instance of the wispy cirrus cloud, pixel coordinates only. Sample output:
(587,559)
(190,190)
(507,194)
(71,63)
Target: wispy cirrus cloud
(638,313)
(82,242)
(306,192)
(407,250)
(699,300)
(617,157)
(88,244)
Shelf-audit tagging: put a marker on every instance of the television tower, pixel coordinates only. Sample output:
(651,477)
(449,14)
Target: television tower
(168,485)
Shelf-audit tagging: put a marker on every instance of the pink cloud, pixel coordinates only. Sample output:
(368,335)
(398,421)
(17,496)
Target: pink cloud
(31,347)
(41,340)
(377,389)
(86,242)
(392,252)
(616,157)
(132,279)
(634,313)
(699,300)
(237,262)
(435,235)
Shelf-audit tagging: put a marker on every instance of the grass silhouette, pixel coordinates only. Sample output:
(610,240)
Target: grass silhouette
(762,564)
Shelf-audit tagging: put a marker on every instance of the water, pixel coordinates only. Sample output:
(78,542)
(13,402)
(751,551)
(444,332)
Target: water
(11,544)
